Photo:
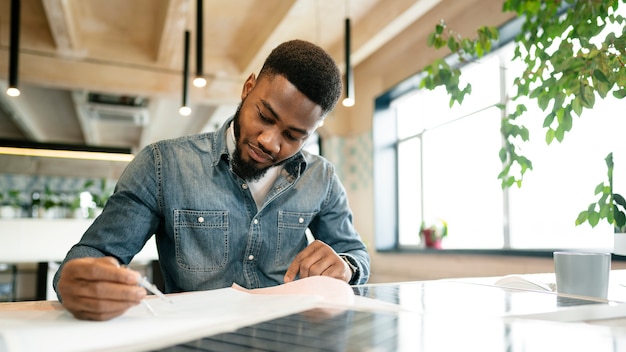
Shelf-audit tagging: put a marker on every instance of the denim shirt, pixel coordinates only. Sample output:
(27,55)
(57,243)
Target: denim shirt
(209,232)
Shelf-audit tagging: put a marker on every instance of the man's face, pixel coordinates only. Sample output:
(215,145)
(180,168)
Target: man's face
(272,123)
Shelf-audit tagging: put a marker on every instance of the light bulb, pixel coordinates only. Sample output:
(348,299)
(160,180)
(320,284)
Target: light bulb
(348,102)
(199,82)
(184,110)
(13,92)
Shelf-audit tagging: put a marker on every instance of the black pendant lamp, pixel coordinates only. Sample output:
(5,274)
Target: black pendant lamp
(14,44)
(199,81)
(349,83)
(185,110)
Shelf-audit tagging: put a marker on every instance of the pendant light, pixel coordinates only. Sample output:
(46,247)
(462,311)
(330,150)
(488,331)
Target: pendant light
(185,110)
(14,43)
(199,81)
(349,82)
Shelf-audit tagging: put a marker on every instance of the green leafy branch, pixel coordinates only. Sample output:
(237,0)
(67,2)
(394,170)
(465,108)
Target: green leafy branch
(566,66)
(611,206)
(440,73)
(10,198)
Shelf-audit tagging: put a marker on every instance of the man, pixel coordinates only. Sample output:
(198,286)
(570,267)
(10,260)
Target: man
(227,207)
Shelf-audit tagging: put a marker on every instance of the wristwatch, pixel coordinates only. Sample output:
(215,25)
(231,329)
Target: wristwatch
(351,265)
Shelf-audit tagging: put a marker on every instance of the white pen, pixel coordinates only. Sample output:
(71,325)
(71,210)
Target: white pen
(145,304)
(145,283)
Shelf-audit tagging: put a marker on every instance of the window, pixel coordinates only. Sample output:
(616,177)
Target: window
(446,163)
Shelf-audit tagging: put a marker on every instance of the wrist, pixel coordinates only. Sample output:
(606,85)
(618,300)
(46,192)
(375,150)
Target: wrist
(352,268)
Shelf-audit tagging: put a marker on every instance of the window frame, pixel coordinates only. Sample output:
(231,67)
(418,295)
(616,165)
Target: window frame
(385,158)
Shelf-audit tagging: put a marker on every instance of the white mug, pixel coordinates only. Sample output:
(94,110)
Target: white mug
(585,274)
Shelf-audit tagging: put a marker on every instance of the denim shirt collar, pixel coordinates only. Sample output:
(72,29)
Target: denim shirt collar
(295,166)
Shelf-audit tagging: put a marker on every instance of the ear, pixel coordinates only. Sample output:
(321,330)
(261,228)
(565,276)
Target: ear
(248,85)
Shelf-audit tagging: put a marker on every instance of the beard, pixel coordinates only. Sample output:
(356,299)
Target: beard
(247,170)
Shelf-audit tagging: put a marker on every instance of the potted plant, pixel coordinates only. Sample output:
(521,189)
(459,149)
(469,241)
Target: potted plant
(433,233)
(564,82)
(51,203)
(74,206)
(99,195)
(10,204)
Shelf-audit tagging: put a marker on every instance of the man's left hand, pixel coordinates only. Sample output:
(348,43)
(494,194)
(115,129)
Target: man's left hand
(318,259)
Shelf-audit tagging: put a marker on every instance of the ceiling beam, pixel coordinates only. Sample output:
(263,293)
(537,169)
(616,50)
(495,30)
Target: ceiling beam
(61,23)
(289,27)
(116,78)
(173,25)
(271,25)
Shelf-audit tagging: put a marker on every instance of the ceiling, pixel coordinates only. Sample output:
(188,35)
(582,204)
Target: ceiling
(132,50)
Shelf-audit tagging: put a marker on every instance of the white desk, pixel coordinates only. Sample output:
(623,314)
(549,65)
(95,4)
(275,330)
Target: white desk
(439,315)
(47,241)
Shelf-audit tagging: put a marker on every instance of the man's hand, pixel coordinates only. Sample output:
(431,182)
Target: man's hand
(98,288)
(318,258)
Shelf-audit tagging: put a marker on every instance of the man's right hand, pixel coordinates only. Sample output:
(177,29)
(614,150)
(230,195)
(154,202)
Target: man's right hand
(98,288)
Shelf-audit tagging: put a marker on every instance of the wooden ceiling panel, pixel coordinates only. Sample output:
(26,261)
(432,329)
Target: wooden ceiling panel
(119,30)
(135,47)
(37,37)
(258,21)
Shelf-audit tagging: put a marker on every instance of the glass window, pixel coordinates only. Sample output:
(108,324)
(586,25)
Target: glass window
(410,198)
(561,185)
(447,167)
(460,186)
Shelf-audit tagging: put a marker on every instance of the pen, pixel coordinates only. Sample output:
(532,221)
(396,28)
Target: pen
(145,283)
(145,304)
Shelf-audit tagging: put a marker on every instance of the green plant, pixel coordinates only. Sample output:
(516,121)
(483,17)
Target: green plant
(101,194)
(611,206)
(50,199)
(10,198)
(567,63)
(73,201)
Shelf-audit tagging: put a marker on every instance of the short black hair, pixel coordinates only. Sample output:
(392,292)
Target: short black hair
(309,68)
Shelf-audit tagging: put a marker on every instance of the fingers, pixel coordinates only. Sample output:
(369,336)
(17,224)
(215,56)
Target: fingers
(317,259)
(98,288)
(99,269)
(88,308)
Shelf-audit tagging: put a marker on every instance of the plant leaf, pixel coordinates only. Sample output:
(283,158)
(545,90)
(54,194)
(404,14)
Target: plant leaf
(617,198)
(620,94)
(594,219)
(582,217)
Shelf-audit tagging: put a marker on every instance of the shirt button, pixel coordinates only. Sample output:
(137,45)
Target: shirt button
(250,257)
(301,220)
(244,186)
(256,221)
(200,219)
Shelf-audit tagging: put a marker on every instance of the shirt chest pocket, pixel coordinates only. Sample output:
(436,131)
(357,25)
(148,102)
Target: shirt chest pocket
(291,235)
(201,239)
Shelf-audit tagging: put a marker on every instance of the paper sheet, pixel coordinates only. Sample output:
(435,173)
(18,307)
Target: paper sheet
(193,315)
(331,291)
(333,294)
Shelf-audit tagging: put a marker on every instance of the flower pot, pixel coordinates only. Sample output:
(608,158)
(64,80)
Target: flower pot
(435,244)
(430,239)
(9,212)
(619,243)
